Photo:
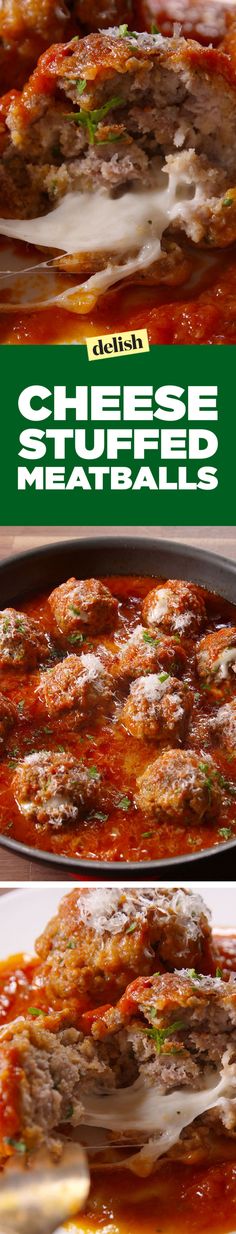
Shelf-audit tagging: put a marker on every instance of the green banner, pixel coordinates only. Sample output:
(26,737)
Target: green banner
(149,438)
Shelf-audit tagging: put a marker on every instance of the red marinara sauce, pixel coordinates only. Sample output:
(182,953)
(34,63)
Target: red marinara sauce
(204,311)
(122,832)
(179,1198)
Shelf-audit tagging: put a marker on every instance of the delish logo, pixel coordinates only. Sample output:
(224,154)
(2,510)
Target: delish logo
(108,345)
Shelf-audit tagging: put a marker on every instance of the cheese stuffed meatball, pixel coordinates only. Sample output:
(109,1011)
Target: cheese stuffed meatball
(145,653)
(77,684)
(23,643)
(8,718)
(158,708)
(180,787)
(102,938)
(128,141)
(55,788)
(175,607)
(156,1073)
(224,725)
(84,605)
(216,655)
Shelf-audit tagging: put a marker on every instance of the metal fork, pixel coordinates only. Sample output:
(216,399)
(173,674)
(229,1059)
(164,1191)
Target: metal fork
(38,1201)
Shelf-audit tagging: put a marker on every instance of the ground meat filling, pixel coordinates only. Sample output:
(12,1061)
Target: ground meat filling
(97,943)
(110,113)
(170,1043)
(55,788)
(158,708)
(179,787)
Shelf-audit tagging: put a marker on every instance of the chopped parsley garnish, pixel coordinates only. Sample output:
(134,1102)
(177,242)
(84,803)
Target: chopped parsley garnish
(228,201)
(163,676)
(77,637)
(154,28)
(81,85)
(93,772)
(218,972)
(159,1035)
(208,773)
(71,945)
(102,818)
(123,803)
(90,120)
(74,610)
(147,834)
(149,638)
(19,1145)
(125,33)
(225,832)
(132,927)
(69,1111)
(194,975)
(35,1011)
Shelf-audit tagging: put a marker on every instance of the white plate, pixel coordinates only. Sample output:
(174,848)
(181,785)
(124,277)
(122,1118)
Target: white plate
(24,914)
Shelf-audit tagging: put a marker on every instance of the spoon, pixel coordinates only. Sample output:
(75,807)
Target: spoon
(37,1201)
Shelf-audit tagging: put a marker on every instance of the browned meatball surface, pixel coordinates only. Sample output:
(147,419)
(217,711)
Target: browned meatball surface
(224,725)
(83,605)
(101,938)
(22,641)
(158,708)
(78,683)
(145,652)
(216,654)
(180,786)
(177,608)
(55,788)
(9,716)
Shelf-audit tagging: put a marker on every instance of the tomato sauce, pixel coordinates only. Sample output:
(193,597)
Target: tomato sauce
(202,312)
(124,833)
(179,1198)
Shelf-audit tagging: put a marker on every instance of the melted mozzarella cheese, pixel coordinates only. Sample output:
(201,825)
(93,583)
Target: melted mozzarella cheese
(226,661)
(139,1109)
(133,223)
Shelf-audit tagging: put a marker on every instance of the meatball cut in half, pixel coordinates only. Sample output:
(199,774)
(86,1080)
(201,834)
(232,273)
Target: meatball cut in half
(9,716)
(145,653)
(175,607)
(179,787)
(78,683)
(216,654)
(22,641)
(55,788)
(158,708)
(118,143)
(84,605)
(156,1074)
(102,938)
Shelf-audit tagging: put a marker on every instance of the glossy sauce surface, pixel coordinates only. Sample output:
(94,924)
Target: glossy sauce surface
(124,833)
(178,1199)
(204,311)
